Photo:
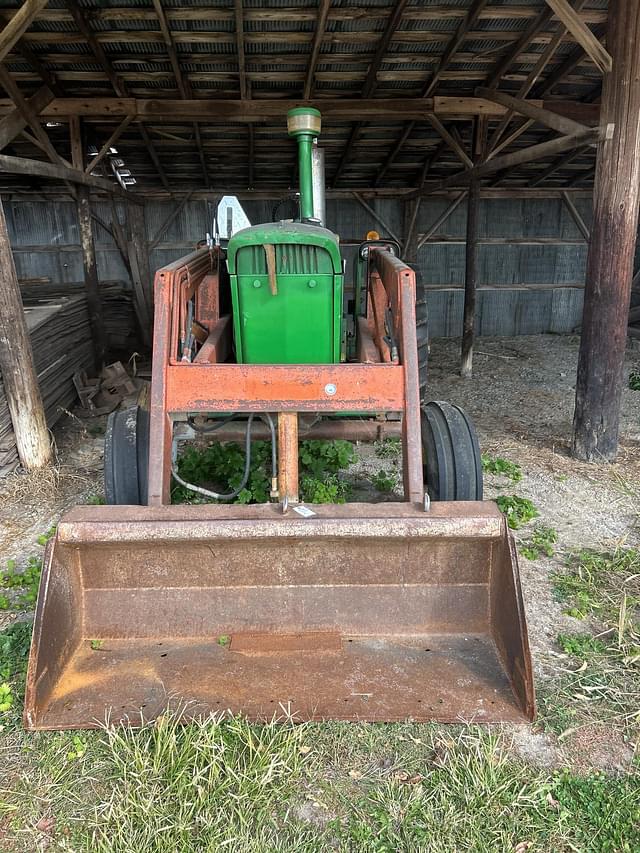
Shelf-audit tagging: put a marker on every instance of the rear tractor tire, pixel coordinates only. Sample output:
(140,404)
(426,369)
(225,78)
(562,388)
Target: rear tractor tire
(126,456)
(451,455)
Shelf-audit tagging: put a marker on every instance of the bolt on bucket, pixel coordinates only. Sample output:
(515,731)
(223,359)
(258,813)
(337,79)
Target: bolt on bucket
(359,612)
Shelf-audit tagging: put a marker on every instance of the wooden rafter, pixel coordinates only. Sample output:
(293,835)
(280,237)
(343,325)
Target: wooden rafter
(324,7)
(545,57)
(450,140)
(117,133)
(558,163)
(118,85)
(474,12)
(532,111)
(581,33)
(184,87)
(510,56)
(524,155)
(13,123)
(19,24)
(22,166)
(371,80)
(25,109)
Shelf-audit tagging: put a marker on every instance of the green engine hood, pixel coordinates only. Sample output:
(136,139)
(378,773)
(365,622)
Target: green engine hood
(291,233)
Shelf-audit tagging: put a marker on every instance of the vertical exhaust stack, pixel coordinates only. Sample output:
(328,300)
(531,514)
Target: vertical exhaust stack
(317,175)
(304,124)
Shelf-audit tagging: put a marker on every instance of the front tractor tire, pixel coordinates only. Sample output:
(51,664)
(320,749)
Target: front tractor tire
(126,456)
(451,455)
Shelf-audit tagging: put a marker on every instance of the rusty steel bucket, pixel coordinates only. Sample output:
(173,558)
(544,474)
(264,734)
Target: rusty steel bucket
(360,612)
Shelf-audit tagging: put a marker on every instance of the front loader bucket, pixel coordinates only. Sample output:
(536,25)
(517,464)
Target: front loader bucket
(360,612)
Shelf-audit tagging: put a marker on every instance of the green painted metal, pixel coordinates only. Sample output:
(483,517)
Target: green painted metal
(305,139)
(302,323)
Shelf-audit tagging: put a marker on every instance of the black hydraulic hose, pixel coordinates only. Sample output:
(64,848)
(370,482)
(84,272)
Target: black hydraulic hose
(274,454)
(205,429)
(216,495)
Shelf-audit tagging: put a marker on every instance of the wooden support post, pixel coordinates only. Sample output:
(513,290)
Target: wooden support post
(611,248)
(470,281)
(288,456)
(94,304)
(138,250)
(85,230)
(17,367)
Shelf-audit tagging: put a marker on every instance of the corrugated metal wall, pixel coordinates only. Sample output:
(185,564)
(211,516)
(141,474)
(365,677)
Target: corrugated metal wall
(525,288)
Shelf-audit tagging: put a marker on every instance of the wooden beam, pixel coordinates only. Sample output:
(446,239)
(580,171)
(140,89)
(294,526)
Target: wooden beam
(475,10)
(230,111)
(377,217)
(171,218)
(439,222)
(19,24)
(581,33)
(24,107)
(524,155)
(239,20)
(547,117)
(119,86)
(407,130)
(452,143)
(612,246)
(558,164)
(22,166)
(17,366)
(321,25)
(124,124)
(527,37)
(87,245)
(566,67)
(14,122)
(523,91)
(138,252)
(371,80)
(470,281)
(184,87)
(575,215)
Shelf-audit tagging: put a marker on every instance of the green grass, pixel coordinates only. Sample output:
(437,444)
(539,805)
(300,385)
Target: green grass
(518,510)
(21,585)
(224,784)
(388,448)
(634,381)
(502,467)
(602,681)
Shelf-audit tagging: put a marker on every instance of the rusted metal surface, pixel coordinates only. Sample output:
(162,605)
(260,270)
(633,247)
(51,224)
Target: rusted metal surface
(377,612)
(288,486)
(344,428)
(179,387)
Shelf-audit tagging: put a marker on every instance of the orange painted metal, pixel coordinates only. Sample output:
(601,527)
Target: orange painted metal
(179,388)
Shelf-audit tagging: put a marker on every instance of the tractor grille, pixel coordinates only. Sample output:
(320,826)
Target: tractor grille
(291,259)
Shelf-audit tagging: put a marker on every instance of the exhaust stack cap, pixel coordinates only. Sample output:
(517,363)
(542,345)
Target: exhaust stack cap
(303,120)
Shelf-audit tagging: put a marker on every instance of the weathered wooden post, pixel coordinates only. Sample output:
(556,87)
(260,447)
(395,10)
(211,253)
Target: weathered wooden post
(85,229)
(470,281)
(612,245)
(17,367)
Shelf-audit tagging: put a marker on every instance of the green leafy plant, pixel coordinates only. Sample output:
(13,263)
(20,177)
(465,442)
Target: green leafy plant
(383,481)
(220,467)
(96,645)
(540,542)
(634,380)
(44,537)
(518,510)
(223,640)
(6,697)
(79,747)
(497,465)
(388,448)
(28,581)
(95,500)
(581,645)
(330,489)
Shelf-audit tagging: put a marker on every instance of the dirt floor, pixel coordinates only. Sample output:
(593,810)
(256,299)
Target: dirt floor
(521,398)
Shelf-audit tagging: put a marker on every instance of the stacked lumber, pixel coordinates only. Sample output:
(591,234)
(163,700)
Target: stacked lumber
(61,343)
(117,307)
